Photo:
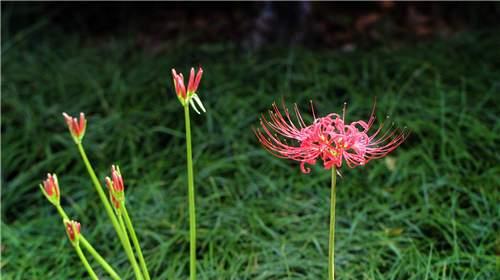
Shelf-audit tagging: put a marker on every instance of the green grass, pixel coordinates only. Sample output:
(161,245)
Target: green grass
(434,215)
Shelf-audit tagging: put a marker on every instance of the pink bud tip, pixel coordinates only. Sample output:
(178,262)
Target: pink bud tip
(51,187)
(76,126)
(73,229)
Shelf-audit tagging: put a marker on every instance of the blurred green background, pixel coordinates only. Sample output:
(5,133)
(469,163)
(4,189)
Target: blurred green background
(430,210)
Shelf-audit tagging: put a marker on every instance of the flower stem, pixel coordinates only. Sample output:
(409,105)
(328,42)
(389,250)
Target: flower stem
(129,251)
(192,210)
(122,235)
(85,262)
(130,227)
(91,249)
(98,258)
(331,242)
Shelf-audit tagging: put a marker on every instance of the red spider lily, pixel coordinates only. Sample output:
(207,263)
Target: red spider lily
(73,230)
(76,127)
(358,147)
(116,187)
(327,138)
(50,189)
(188,96)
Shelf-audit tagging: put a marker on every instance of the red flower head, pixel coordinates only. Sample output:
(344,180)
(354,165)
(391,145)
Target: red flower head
(73,230)
(116,187)
(187,97)
(327,138)
(76,127)
(50,189)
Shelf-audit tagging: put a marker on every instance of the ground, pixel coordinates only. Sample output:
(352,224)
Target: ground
(429,211)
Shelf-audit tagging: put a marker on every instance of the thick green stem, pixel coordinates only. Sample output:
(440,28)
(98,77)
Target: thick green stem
(191,196)
(130,253)
(122,235)
(331,241)
(88,247)
(86,263)
(130,227)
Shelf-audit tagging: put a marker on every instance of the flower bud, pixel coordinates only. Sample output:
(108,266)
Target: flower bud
(76,127)
(116,187)
(50,189)
(73,231)
(188,96)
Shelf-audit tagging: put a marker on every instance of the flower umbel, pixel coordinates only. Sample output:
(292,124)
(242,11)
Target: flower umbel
(76,127)
(116,187)
(50,189)
(327,138)
(73,231)
(190,95)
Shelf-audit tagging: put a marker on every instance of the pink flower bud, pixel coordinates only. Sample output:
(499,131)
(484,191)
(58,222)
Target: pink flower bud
(73,230)
(180,89)
(50,189)
(76,127)
(194,81)
(117,178)
(116,187)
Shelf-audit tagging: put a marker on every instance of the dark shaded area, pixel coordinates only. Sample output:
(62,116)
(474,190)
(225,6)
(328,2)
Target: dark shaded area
(254,25)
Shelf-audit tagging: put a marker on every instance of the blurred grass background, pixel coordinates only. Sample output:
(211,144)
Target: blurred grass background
(428,211)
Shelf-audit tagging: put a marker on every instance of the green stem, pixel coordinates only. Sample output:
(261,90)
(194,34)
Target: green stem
(121,234)
(331,243)
(62,213)
(99,258)
(129,252)
(86,263)
(130,227)
(91,249)
(192,210)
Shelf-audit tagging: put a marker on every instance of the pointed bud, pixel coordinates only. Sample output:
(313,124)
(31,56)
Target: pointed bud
(185,96)
(73,231)
(197,80)
(191,81)
(180,89)
(116,187)
(117,178)
(76,127)
(50,189)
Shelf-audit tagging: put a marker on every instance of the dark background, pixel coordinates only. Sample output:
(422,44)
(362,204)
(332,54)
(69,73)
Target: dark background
(312,24)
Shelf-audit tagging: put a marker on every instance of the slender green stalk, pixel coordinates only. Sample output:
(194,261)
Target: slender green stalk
(91,249)
(331,242)
(130,227)
(192,209)
(62,213)
(86,263)
(130,253)
(98,258)
(122,235)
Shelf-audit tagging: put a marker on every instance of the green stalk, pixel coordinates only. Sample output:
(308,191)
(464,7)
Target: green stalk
(121,234)
(130,227)
(91,249)
(192,210)
(85,262)
(331,243)
(61,212)
(129,251)
(99,258)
